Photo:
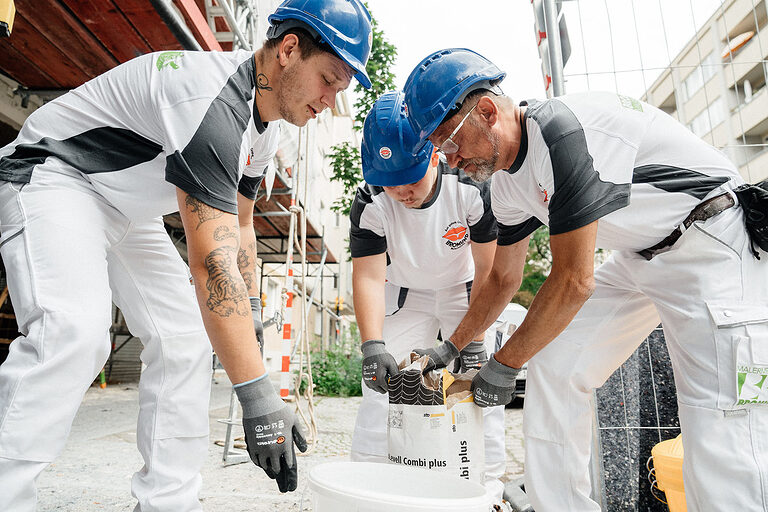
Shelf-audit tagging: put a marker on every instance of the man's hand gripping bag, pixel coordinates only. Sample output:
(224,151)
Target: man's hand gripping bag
(434,422)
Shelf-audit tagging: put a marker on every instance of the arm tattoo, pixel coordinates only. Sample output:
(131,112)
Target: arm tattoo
(203,211)
(226,294)
(243,264)
(262,82)
(222,233)
(242,259)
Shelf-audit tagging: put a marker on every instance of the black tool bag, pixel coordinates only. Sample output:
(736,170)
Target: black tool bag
(754,200)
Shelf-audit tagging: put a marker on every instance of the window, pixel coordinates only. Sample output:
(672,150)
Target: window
(709,67)
(708,118)
(700,76)
(273,299)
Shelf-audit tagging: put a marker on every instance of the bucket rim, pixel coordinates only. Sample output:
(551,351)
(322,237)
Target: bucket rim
(331,489)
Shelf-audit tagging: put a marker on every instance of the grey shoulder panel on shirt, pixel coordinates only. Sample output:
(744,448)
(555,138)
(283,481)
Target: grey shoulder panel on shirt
(677,179)
(364,242)
(581,196)
(207,168)
(103,149)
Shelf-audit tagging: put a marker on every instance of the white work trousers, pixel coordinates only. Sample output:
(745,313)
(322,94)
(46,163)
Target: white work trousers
(711,296)
(68,253)
(413,320)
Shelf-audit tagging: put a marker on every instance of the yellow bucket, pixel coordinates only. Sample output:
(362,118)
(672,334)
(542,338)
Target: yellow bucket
(668,466)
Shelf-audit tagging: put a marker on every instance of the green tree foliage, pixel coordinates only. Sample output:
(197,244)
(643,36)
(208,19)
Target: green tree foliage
(379,68)
(345,158)
(338,370)
(345,162)
(538,263)
(336,373)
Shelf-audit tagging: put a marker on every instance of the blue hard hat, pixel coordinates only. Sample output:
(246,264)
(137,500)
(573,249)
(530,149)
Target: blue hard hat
(387,142)
(440,83)
(344,25)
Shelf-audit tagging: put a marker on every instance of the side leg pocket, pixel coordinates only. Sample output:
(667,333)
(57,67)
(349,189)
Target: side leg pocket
(742,329)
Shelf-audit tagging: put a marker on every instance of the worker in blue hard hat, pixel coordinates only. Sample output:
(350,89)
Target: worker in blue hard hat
(609,171)
(421,235)
(83,189)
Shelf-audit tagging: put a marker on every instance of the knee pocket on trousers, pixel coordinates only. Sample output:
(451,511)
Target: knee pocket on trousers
(741,346)
(180,378)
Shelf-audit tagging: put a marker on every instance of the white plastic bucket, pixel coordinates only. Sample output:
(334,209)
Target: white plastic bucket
(371,487)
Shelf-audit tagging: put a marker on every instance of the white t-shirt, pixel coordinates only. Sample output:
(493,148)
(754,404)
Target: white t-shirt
(591,156)
(428,247)
(160,121)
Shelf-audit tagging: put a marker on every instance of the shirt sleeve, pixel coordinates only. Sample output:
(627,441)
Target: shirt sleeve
(509,235)
(588,170)
(513,223)
(580,195)
(204,137)
(366,233)
(249,185)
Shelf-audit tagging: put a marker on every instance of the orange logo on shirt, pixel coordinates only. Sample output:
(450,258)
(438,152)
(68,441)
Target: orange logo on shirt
(455,234)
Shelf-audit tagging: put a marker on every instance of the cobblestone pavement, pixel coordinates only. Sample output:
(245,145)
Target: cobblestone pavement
(94,471)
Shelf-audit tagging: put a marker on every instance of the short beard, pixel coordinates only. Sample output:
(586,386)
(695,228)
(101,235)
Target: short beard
(288,83)
(484,168)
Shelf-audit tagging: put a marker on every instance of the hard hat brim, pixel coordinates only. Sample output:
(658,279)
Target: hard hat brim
(394,179)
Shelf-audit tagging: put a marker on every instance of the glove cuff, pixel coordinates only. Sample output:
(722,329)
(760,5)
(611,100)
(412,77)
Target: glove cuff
(258,398)
(498,373)
(447,351)
(255,304)
(473,347)
(373,348)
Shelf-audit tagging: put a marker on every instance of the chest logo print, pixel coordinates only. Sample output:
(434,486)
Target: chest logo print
(544,192)
(168,59)
(455,235)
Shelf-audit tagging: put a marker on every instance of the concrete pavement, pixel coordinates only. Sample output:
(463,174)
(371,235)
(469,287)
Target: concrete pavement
(94,471)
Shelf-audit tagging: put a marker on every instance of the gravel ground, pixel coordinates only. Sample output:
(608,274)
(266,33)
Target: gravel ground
(94,471)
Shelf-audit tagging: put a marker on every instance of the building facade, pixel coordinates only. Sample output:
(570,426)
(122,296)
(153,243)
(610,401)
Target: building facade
(717,85)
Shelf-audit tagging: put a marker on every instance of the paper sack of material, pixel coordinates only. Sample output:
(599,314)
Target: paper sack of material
(434,422)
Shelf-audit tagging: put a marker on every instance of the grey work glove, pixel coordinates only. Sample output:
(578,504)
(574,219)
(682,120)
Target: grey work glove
(494,384)
(440,356)
(270,432)
(258,327)
(472,357)
(378,365)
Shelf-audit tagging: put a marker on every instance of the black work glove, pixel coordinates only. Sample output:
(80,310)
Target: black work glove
(472,357)
(378,365)
(258,327)
(494,384)
(440,356)
(270,432)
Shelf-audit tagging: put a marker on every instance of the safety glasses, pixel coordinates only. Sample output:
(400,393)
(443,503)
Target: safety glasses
(448,147)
